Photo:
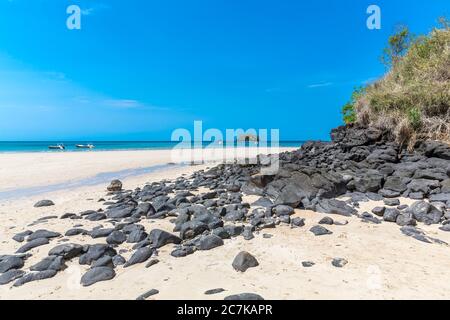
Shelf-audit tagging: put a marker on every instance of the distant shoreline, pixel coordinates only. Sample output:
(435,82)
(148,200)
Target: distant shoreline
(25,170)
(12,147)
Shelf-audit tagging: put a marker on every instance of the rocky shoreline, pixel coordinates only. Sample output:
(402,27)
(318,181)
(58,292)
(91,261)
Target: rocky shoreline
(207,208)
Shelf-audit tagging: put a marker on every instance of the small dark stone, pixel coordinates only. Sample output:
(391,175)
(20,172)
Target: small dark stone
(308,264)
(68,215)
(221,232)
(298,222)
(334,206)
(320,231)
(96,216)
(147,294)
(182,252)
(379,211)
(326,220)
(367,217)
(406,219)
(391,214)
(339,262)
(152,262)
(118,260)
(243,261)
(75,232)
(248,233)
(44,203)
(114,186)
(209,242)
(282,210)
(214,291)
(244,296)
(234,230)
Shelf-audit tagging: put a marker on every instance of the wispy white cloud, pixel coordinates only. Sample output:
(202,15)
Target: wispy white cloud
(123,103)
(320,85)
(93,9)
(87,11)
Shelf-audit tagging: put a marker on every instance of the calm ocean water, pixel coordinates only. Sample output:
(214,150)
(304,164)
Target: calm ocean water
(42,146)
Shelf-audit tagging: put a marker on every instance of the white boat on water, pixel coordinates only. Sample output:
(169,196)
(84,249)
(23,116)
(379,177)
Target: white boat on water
(85,146)
(57,147)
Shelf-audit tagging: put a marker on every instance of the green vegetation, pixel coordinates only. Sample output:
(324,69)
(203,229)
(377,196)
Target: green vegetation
(348,110)
(412,100)
(398,45)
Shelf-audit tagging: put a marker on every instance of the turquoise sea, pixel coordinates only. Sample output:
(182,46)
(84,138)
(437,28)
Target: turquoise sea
(42,146)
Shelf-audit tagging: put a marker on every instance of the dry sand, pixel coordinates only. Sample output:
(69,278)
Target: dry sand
(383,263)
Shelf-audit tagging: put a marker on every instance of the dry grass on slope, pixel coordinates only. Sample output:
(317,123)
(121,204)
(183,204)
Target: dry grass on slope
(412,100)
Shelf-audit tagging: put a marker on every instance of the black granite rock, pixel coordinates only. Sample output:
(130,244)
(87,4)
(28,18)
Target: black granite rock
(244,296)
(55,263)
(307,264)
(339,262)
(141,255)
(95,275)
(147,294)
(39,234)
(160,238)
(214,291)
(67,251)
(35,276)
(209,242)
(33,244)
(320,231)
(44,203)
(10,276)
(11,262)
(326,220)
(116,237)
(244,261)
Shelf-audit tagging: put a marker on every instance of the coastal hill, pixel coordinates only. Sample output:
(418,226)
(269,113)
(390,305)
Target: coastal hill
(412,100)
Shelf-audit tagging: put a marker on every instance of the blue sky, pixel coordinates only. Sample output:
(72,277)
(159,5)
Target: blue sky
(139,69)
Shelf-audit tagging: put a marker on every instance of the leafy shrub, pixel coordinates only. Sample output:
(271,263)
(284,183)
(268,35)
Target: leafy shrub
(348,110)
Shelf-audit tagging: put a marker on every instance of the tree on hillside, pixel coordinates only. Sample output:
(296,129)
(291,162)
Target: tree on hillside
(398,45)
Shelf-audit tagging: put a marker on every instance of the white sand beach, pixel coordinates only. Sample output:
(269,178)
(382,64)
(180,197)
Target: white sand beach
(382,262)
